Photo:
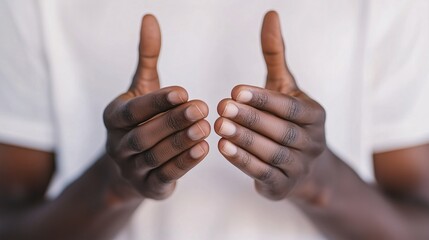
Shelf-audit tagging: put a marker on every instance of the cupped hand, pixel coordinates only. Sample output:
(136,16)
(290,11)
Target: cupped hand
(155,135)
(272,134)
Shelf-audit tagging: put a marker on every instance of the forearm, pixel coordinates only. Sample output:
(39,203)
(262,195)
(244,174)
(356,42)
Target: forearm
(95,206)
(345,207)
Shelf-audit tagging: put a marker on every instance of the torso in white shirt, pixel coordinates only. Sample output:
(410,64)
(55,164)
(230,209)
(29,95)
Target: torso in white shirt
(208,47)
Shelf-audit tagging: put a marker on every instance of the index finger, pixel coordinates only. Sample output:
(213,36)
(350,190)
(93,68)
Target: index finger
(297,109)
(129,113)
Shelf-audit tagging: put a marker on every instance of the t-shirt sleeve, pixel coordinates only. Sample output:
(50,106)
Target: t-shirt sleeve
(25,110)
(400,72)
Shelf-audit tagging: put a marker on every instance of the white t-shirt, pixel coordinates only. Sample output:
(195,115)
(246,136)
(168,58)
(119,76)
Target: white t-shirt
(62,62)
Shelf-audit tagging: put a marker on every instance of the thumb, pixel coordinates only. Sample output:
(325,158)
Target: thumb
(279,78)
(146,76)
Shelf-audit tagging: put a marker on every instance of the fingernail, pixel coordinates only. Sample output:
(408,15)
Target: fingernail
(229,149)
(195,132)
(231,111)
(174,98)
(197,152)
(193,113)
(245,96)
(227,128)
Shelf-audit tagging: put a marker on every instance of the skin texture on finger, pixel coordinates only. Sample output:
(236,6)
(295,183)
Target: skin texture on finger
(152,132)
(129,111)
(167,149)
(279,77)
(146,78)
(179,142)
(160,182)
(283,132)
(286,159)
(299,109)
(269,181)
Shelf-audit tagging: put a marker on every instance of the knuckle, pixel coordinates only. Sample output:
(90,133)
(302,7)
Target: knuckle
(265,175)
(126,113)
(247,138)
(177,142)
(160,102)
(244,160)
(289,136)
(165,177)
(259,100)
(172,121)
(180,164)
(148,159)
(250,118)
(281,157)
(134,142)
(292,109)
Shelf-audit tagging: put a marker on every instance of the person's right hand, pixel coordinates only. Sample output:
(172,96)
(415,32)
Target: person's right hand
(155,135)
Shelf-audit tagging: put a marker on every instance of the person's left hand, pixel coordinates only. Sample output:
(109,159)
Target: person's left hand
(273,134)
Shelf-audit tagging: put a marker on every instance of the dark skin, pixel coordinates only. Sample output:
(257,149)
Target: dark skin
(147,151)
(155,147)
(296,163)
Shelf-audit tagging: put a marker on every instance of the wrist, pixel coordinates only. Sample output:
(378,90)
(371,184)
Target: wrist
(118,189)
(317,187)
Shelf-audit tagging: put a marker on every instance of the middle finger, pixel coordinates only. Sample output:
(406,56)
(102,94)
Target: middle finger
(265,149)
(279,130)
(155,130)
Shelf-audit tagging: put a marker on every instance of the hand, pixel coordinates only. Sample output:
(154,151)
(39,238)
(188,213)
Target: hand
(273,134)
(155,135)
